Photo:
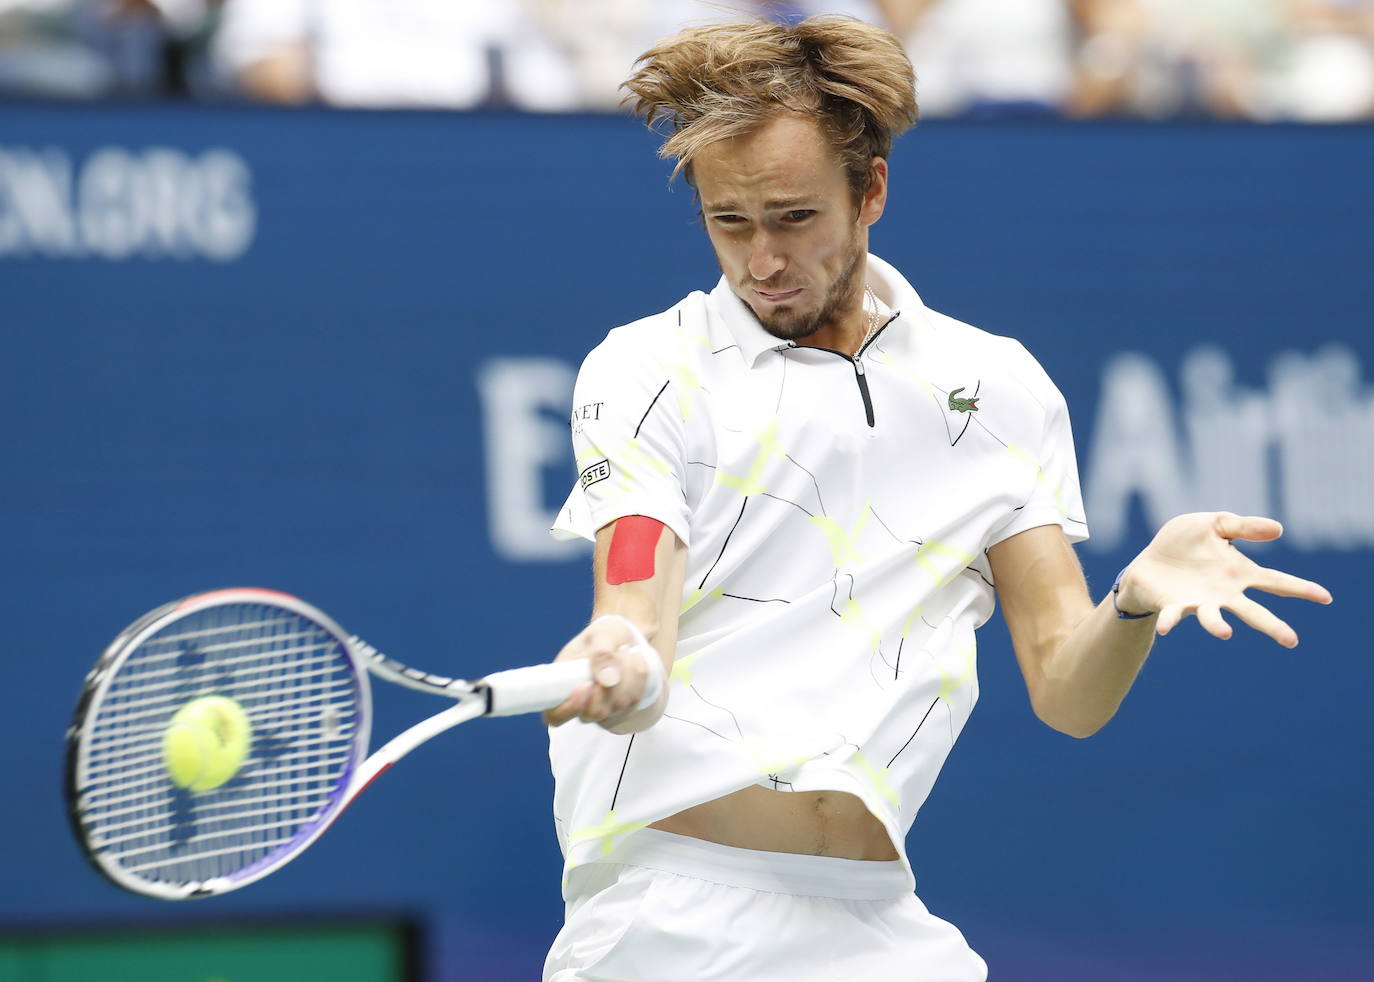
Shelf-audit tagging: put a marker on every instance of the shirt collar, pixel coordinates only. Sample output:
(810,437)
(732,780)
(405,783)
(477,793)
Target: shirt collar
(744,327)
(888,284)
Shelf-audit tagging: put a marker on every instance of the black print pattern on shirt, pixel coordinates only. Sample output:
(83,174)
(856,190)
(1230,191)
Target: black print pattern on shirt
(888,664)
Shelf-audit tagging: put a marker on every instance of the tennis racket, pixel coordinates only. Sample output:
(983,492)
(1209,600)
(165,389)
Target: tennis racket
(271,692)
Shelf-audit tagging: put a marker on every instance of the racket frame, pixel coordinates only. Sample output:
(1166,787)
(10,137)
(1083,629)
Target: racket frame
(509,692)
(96,686)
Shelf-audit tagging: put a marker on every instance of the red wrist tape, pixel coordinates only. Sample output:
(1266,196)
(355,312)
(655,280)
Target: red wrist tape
(631,556)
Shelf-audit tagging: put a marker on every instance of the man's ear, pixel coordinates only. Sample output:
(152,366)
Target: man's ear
(874,198)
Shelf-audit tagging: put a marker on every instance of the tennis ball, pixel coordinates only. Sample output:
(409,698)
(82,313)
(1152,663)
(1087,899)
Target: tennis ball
(206,742)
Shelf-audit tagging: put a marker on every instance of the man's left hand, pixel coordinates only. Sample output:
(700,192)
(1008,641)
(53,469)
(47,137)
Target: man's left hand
(1192,567)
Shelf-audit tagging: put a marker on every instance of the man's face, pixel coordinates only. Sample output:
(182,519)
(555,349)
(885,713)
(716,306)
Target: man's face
(786,229)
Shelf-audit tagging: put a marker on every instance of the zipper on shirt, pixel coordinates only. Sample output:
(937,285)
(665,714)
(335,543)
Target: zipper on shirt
(863,387)
(859,375)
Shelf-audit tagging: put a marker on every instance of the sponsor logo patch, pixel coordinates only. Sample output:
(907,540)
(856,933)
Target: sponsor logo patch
(583,414)
(957,405)
(595,472)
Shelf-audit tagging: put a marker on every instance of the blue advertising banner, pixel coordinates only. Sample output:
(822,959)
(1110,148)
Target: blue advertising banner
(333,354)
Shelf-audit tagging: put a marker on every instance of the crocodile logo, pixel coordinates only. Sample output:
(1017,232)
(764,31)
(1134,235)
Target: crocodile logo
(962,405)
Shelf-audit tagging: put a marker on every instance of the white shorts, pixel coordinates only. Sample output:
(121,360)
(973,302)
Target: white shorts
(676,908)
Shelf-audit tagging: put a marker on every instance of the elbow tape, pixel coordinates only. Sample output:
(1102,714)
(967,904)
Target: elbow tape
(631,555)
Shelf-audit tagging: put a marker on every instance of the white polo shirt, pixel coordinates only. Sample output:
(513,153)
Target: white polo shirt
(837,514)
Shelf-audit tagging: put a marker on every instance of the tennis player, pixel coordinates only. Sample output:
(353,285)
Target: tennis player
(807,490)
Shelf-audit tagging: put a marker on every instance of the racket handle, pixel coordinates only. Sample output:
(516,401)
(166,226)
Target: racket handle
(540,687)
(534,689)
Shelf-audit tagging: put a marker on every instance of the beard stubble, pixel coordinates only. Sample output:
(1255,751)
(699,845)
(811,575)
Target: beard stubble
(794,325)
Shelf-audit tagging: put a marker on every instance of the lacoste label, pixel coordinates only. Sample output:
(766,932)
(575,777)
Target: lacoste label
(962,405)
(595,472)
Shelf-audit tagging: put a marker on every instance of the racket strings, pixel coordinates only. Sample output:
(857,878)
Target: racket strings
(298,688)
(150,769)
(135,802)
(173,681)
(154,719)
(240,805)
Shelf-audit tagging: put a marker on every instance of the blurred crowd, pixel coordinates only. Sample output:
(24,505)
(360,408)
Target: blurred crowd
(1309,60)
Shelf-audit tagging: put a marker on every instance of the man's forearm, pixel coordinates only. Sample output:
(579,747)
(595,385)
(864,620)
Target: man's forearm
(652,606)
(635,602)
(1084,681)
(1079,661)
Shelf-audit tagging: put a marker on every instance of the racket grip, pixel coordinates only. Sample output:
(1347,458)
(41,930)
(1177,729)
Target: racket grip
(534,689)
(540,687)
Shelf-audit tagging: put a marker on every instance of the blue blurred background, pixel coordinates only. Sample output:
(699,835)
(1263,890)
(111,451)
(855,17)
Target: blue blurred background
(331,352)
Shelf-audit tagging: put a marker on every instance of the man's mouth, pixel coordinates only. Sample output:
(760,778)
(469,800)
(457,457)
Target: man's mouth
(776,296)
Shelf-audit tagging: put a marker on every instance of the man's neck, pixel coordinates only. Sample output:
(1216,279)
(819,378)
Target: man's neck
(846,332)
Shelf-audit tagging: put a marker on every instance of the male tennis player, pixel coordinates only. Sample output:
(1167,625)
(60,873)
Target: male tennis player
(805,488)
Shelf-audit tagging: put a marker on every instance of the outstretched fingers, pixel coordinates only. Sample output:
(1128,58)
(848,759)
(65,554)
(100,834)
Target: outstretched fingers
(1170,615)
(1204,575)
(1209,616)
(1287,585)
(1263,620)
(1252,528)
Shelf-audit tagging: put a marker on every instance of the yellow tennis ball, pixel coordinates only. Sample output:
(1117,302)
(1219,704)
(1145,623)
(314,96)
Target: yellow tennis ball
(206,742)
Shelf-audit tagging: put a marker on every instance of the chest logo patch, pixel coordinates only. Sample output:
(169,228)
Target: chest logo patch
(959,405)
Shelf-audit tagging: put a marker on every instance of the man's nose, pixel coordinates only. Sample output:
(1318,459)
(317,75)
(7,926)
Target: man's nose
(765,258)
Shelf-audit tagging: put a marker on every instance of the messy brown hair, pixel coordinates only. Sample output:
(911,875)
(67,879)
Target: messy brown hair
(714,82)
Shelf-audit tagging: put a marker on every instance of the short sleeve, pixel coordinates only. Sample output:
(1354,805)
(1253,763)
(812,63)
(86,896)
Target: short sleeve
(629,444)
(1055,498)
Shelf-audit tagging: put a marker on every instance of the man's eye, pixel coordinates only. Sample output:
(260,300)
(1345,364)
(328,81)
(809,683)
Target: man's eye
(799,215)
(728,219)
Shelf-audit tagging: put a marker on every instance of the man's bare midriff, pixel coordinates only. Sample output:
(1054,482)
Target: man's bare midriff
(814,823)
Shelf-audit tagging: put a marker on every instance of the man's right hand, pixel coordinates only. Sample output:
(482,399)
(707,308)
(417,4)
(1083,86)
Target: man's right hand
(619,674)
